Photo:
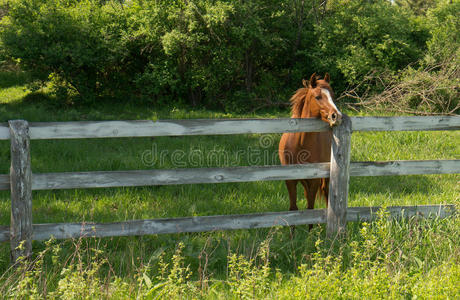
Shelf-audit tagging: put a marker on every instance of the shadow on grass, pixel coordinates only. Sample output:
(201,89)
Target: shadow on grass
(42,106)
(15,78)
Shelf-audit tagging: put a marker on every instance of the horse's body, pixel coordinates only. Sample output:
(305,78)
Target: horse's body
(315,100)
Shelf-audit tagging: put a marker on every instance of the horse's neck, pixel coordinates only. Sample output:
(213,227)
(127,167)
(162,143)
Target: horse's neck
(310,108)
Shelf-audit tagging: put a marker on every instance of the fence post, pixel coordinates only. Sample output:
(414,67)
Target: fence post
(21,191)
(339,178)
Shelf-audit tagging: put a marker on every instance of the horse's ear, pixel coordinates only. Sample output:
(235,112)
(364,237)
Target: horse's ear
(313,81)
(327,78)
(304,83)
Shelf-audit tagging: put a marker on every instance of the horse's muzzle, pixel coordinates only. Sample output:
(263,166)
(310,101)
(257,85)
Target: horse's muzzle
(334,119)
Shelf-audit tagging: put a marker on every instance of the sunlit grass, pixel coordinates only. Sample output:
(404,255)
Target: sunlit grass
(12,89)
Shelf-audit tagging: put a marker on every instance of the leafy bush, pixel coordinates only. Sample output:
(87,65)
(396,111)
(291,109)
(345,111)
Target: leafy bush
(76,44)
(358,37)
(235,55)
(444,25)
(431,87)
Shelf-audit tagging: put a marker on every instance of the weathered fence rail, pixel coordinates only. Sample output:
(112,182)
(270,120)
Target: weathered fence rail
(113,129)
(105,179)
(223,222)
(21,181)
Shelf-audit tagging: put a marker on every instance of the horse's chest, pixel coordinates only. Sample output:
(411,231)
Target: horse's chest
(318,145)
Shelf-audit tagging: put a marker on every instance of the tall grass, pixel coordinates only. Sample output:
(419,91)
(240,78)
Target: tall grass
(415,258)
(387,258)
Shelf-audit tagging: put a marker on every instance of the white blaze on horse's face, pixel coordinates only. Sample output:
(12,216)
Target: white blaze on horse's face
(335,116)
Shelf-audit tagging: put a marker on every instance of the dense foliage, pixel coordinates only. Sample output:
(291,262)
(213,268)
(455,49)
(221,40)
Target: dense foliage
(216,53)
(431,86)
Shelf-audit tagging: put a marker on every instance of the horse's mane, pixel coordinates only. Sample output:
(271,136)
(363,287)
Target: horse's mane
(297,102)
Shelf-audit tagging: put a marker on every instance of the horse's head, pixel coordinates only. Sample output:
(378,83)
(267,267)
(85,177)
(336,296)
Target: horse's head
(322,94)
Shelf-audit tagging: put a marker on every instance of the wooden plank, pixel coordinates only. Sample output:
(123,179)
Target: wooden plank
(405,167)
(21,191)
(4,182)
(4,131)
(369,213)
(409,123)
(101,179)
(166,177)
(339,178)
(106,129)
(225,222)
(179,225)
(111,129)
(177,176)
(4,233)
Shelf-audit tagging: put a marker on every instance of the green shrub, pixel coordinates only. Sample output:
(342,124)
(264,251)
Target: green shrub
(75,43)
(444,25)
(358,37)
(232,55)
(431,87)
(246,278)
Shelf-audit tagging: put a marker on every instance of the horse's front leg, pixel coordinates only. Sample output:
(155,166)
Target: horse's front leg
(292,190)
(310,187)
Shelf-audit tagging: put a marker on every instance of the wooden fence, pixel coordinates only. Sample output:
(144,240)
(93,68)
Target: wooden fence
(21,181)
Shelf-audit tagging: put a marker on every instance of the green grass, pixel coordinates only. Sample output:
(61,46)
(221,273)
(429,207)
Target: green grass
(127,256)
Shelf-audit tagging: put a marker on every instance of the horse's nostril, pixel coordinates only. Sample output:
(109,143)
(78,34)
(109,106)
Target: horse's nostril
(334,116)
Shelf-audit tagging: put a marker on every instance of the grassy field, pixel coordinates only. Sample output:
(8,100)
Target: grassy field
(383,259)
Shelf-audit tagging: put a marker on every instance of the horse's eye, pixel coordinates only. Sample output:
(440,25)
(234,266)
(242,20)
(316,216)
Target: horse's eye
(318,97)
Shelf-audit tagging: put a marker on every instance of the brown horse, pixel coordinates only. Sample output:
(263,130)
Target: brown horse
(315,100)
